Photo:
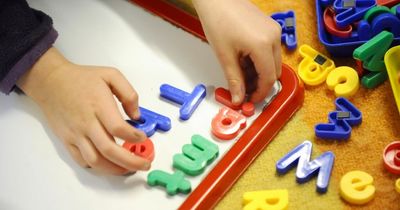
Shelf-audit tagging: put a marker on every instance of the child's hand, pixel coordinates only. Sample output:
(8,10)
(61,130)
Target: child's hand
(79,104)
(242,35)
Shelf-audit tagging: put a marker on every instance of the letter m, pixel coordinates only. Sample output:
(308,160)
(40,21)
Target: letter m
(300,156)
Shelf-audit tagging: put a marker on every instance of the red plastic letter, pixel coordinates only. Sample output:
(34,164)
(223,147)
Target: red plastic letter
(227,123)
(223,96)
(143,149)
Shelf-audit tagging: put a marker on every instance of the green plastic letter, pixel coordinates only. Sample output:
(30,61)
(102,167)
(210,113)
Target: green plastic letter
(196,156)
(173,183)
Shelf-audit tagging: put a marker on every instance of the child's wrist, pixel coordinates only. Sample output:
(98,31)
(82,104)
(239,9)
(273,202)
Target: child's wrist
(33,81)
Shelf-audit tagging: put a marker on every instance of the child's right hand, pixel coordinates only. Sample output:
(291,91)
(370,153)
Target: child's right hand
(79,104)
(247,44)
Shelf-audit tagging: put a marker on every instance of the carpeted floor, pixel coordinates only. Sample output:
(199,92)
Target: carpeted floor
(363,151)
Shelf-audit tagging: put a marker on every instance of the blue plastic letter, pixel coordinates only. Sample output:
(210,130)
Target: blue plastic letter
(150,121)
(339,128)
(189,101)
(386,21)
(351,11)
(287,20)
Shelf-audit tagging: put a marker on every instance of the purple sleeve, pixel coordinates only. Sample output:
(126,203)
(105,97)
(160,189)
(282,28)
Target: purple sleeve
(27,61)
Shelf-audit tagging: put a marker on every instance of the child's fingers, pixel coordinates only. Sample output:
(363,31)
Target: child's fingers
(96,161)
(276,34)
(124,91)
(115,153)
(278,59)
(234,76)
(250,74)
(76,155)
(265,66)
(109,116)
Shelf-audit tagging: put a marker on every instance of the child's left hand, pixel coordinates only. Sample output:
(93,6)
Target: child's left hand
(237,30)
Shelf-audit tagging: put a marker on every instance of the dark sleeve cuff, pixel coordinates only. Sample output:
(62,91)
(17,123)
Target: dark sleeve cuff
(27,61)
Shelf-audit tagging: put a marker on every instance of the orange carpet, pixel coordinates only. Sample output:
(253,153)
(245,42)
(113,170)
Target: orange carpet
(363,151)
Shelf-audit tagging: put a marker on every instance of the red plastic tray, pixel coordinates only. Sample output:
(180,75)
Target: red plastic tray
(253,141)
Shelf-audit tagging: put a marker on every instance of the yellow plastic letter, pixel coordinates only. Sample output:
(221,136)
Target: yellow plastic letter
(344,81)
(356,187)
(266,200)
(315,67)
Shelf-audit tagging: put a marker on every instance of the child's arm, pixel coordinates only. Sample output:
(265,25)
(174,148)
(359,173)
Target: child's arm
(237,30)
(79,104)
(78,100)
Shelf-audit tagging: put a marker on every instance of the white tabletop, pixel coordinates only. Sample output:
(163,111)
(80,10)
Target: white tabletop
(36,170)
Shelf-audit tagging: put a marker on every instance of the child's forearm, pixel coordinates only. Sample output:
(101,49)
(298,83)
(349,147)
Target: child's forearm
(198,4)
